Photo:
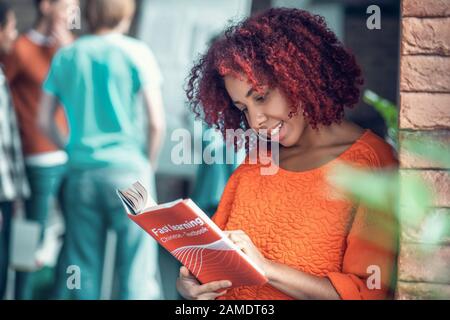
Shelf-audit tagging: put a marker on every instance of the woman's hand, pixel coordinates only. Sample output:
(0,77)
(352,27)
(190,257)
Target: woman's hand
(293,282)
(191,289)
(243,242)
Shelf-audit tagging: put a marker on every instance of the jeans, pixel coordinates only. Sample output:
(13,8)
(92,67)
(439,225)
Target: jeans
(91,208)
(6,209)
(45,184)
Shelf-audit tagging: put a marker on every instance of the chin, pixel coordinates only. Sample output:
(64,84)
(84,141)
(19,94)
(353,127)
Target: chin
(286,144)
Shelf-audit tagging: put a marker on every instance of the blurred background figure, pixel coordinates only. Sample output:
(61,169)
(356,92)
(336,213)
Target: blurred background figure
(26,68)
(212,176)
(107,71)
(178,31)
(13,183)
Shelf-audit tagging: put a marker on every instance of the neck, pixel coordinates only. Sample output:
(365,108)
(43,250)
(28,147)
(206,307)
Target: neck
(43,26)
(312,138)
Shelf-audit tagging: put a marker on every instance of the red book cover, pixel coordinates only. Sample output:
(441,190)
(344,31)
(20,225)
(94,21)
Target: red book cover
(183,229)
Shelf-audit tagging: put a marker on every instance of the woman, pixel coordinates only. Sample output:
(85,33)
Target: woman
(285,75)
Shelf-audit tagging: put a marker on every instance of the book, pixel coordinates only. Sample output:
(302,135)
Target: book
(183,229)
(24,245)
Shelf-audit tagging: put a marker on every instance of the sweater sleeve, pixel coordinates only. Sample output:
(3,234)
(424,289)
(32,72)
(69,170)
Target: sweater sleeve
(369,264)
(368,267)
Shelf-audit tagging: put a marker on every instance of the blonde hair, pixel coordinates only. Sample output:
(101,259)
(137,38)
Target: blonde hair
(108,13)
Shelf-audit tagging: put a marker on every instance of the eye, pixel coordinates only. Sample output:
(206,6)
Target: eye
(261,98)
(241,108)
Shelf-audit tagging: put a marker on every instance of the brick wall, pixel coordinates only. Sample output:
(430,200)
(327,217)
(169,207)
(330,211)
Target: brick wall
(424,268)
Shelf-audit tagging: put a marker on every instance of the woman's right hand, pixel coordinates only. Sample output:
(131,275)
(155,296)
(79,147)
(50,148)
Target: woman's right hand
(189,287)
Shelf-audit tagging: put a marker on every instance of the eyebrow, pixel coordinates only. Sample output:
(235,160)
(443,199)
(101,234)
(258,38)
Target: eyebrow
(249,93)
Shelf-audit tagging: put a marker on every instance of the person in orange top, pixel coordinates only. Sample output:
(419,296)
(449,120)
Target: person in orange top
(286,76)
(26,68)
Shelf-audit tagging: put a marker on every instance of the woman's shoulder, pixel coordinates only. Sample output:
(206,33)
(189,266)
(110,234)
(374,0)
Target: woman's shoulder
(373,151)
(248,167)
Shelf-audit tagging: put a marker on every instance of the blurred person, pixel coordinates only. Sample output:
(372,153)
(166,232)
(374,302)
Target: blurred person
(13,182)
(286,76)
(26,68)
(108,71)
(211,178)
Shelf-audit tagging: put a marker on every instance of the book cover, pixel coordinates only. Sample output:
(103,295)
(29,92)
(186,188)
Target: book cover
(183,229)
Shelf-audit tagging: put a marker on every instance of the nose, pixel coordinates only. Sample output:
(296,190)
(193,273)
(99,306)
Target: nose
(257,120)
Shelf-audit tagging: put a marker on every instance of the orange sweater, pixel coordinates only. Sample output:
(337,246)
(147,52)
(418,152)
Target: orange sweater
(26,68)
(294,221)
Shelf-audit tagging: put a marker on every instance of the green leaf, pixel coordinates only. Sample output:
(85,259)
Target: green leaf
(377,190)
(387,110)
(429,149)
(380,190)
(415,199)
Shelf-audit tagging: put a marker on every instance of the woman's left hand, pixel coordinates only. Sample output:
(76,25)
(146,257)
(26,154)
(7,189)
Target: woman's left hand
(243,242)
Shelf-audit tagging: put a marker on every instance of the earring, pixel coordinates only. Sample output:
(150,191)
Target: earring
(290,115)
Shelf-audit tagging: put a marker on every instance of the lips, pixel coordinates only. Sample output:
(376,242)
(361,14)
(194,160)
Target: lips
(274,131)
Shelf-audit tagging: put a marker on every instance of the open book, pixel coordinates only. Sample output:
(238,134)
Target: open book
(183,229)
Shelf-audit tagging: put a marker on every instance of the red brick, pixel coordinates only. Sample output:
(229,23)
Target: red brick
(424,263)
(426,36)
(424,231)
(441,138)
(437,180)
(422,291)
(426,111)
(425,73)
(427,8)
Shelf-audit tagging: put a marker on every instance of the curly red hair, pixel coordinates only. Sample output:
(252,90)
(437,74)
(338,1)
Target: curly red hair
(290,49)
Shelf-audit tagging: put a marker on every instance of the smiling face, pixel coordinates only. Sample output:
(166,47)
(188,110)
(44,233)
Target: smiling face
(57,11)
(62,9)
(267,111)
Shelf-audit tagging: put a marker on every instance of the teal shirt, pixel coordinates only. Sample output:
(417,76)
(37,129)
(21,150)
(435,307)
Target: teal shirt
(97,79)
